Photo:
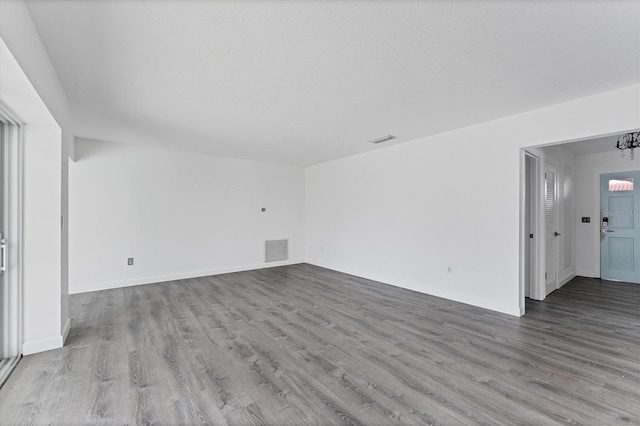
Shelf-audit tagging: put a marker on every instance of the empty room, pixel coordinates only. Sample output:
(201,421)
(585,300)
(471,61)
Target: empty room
(320,212)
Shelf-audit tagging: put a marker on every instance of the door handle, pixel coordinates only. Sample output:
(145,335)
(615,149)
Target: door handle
(3,248)
(556,234)
(608,230)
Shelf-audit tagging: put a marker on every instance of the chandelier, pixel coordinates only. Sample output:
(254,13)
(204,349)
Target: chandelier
(628,141)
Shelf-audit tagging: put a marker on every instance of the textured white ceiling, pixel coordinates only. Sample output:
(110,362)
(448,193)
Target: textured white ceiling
(302,82)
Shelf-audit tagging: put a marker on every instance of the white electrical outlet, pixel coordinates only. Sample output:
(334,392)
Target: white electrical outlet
(450,269)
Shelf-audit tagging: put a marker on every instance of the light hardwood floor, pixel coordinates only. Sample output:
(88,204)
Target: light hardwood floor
(305,345)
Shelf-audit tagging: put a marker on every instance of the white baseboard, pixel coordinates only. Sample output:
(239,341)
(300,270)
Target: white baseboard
(566,279)
(510,310)
(173,277)
(65,330)
(560,282)
(587,274)
(36,346)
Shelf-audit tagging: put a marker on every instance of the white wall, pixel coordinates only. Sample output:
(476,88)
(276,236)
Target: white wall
(179,214)
(46,318)
(41,239)
(589,168)
(400,215)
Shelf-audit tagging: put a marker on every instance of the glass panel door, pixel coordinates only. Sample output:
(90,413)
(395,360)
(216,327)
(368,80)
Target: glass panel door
(9,300)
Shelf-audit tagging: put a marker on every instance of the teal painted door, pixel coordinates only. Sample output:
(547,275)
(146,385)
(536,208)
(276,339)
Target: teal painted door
(620,226)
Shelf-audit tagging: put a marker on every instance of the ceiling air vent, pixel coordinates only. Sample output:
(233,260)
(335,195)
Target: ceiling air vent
(383,139)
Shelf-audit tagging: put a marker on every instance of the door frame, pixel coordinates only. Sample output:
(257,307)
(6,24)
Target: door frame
(596,208)
(12,203)
(537,227)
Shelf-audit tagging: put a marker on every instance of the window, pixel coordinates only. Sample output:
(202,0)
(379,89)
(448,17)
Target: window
(616,185)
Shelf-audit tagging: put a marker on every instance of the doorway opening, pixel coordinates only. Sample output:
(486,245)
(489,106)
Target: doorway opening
(570,191)
(531,226)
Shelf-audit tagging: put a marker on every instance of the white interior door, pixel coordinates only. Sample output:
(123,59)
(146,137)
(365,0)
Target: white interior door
(551,233)
(529,217)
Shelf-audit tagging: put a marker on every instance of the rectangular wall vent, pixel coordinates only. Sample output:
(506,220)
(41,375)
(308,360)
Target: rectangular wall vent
(276,250)
(383,139)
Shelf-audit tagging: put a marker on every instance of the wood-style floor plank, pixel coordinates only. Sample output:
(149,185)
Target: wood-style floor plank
(305,345)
